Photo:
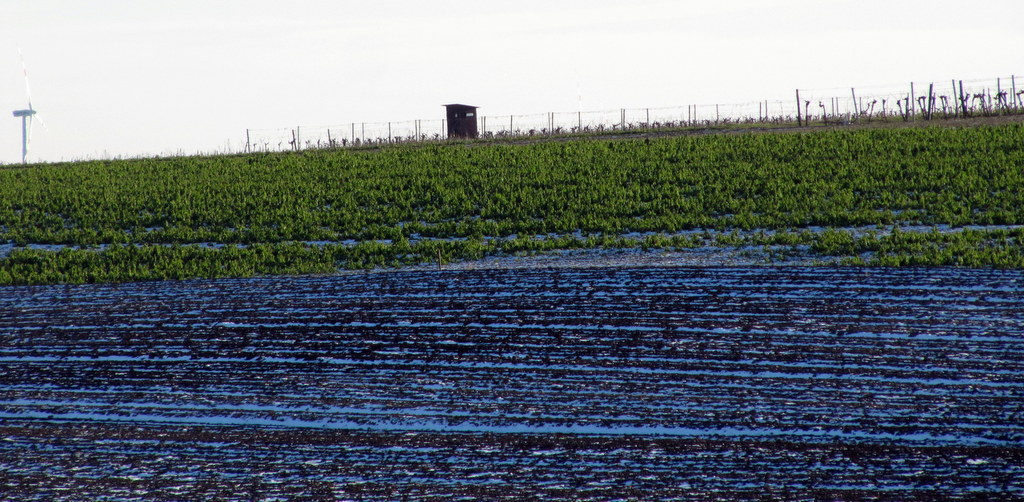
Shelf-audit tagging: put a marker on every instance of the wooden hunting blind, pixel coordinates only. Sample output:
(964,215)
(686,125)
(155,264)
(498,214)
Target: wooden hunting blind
(461,121)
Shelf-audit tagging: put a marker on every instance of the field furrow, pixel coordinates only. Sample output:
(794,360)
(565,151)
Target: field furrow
(581,383)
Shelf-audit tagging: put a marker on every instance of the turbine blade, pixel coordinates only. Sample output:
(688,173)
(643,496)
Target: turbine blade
(24,71)
(42,122)
(28,137)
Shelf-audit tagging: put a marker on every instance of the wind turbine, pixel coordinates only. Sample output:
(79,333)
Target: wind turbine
(27,115)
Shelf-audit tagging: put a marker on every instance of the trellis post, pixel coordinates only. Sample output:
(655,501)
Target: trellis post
(799,122)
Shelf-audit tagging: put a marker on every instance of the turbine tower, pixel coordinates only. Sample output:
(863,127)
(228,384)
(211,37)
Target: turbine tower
(27,115)
(26,118)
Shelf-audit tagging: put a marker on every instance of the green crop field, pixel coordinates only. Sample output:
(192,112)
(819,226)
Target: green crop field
(911,196)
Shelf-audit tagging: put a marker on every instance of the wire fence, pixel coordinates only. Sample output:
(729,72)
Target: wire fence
(901,102)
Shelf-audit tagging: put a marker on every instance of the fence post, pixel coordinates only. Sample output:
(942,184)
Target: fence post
(956,109)
(510,127)
(648,118)
(622,118)
(913,103)
(1014,99)
(799,122)
(931,90)
(579,121)
(329,142)
(856,107)
(362,132)
(389,132)
(963,99)
(999,92)
(246,141)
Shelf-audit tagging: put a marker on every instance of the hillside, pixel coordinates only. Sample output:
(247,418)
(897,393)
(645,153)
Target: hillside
(880,196)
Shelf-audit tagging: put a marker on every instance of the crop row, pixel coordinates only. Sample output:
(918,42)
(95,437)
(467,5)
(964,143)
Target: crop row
(758,181)
(999,248)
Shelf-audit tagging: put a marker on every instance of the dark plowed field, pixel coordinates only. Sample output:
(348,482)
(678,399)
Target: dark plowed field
(602,383)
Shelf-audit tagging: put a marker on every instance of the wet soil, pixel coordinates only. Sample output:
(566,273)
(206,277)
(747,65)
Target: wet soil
(561,383)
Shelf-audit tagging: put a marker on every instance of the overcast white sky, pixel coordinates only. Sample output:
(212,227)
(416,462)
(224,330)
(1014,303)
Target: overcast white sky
(129,77)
